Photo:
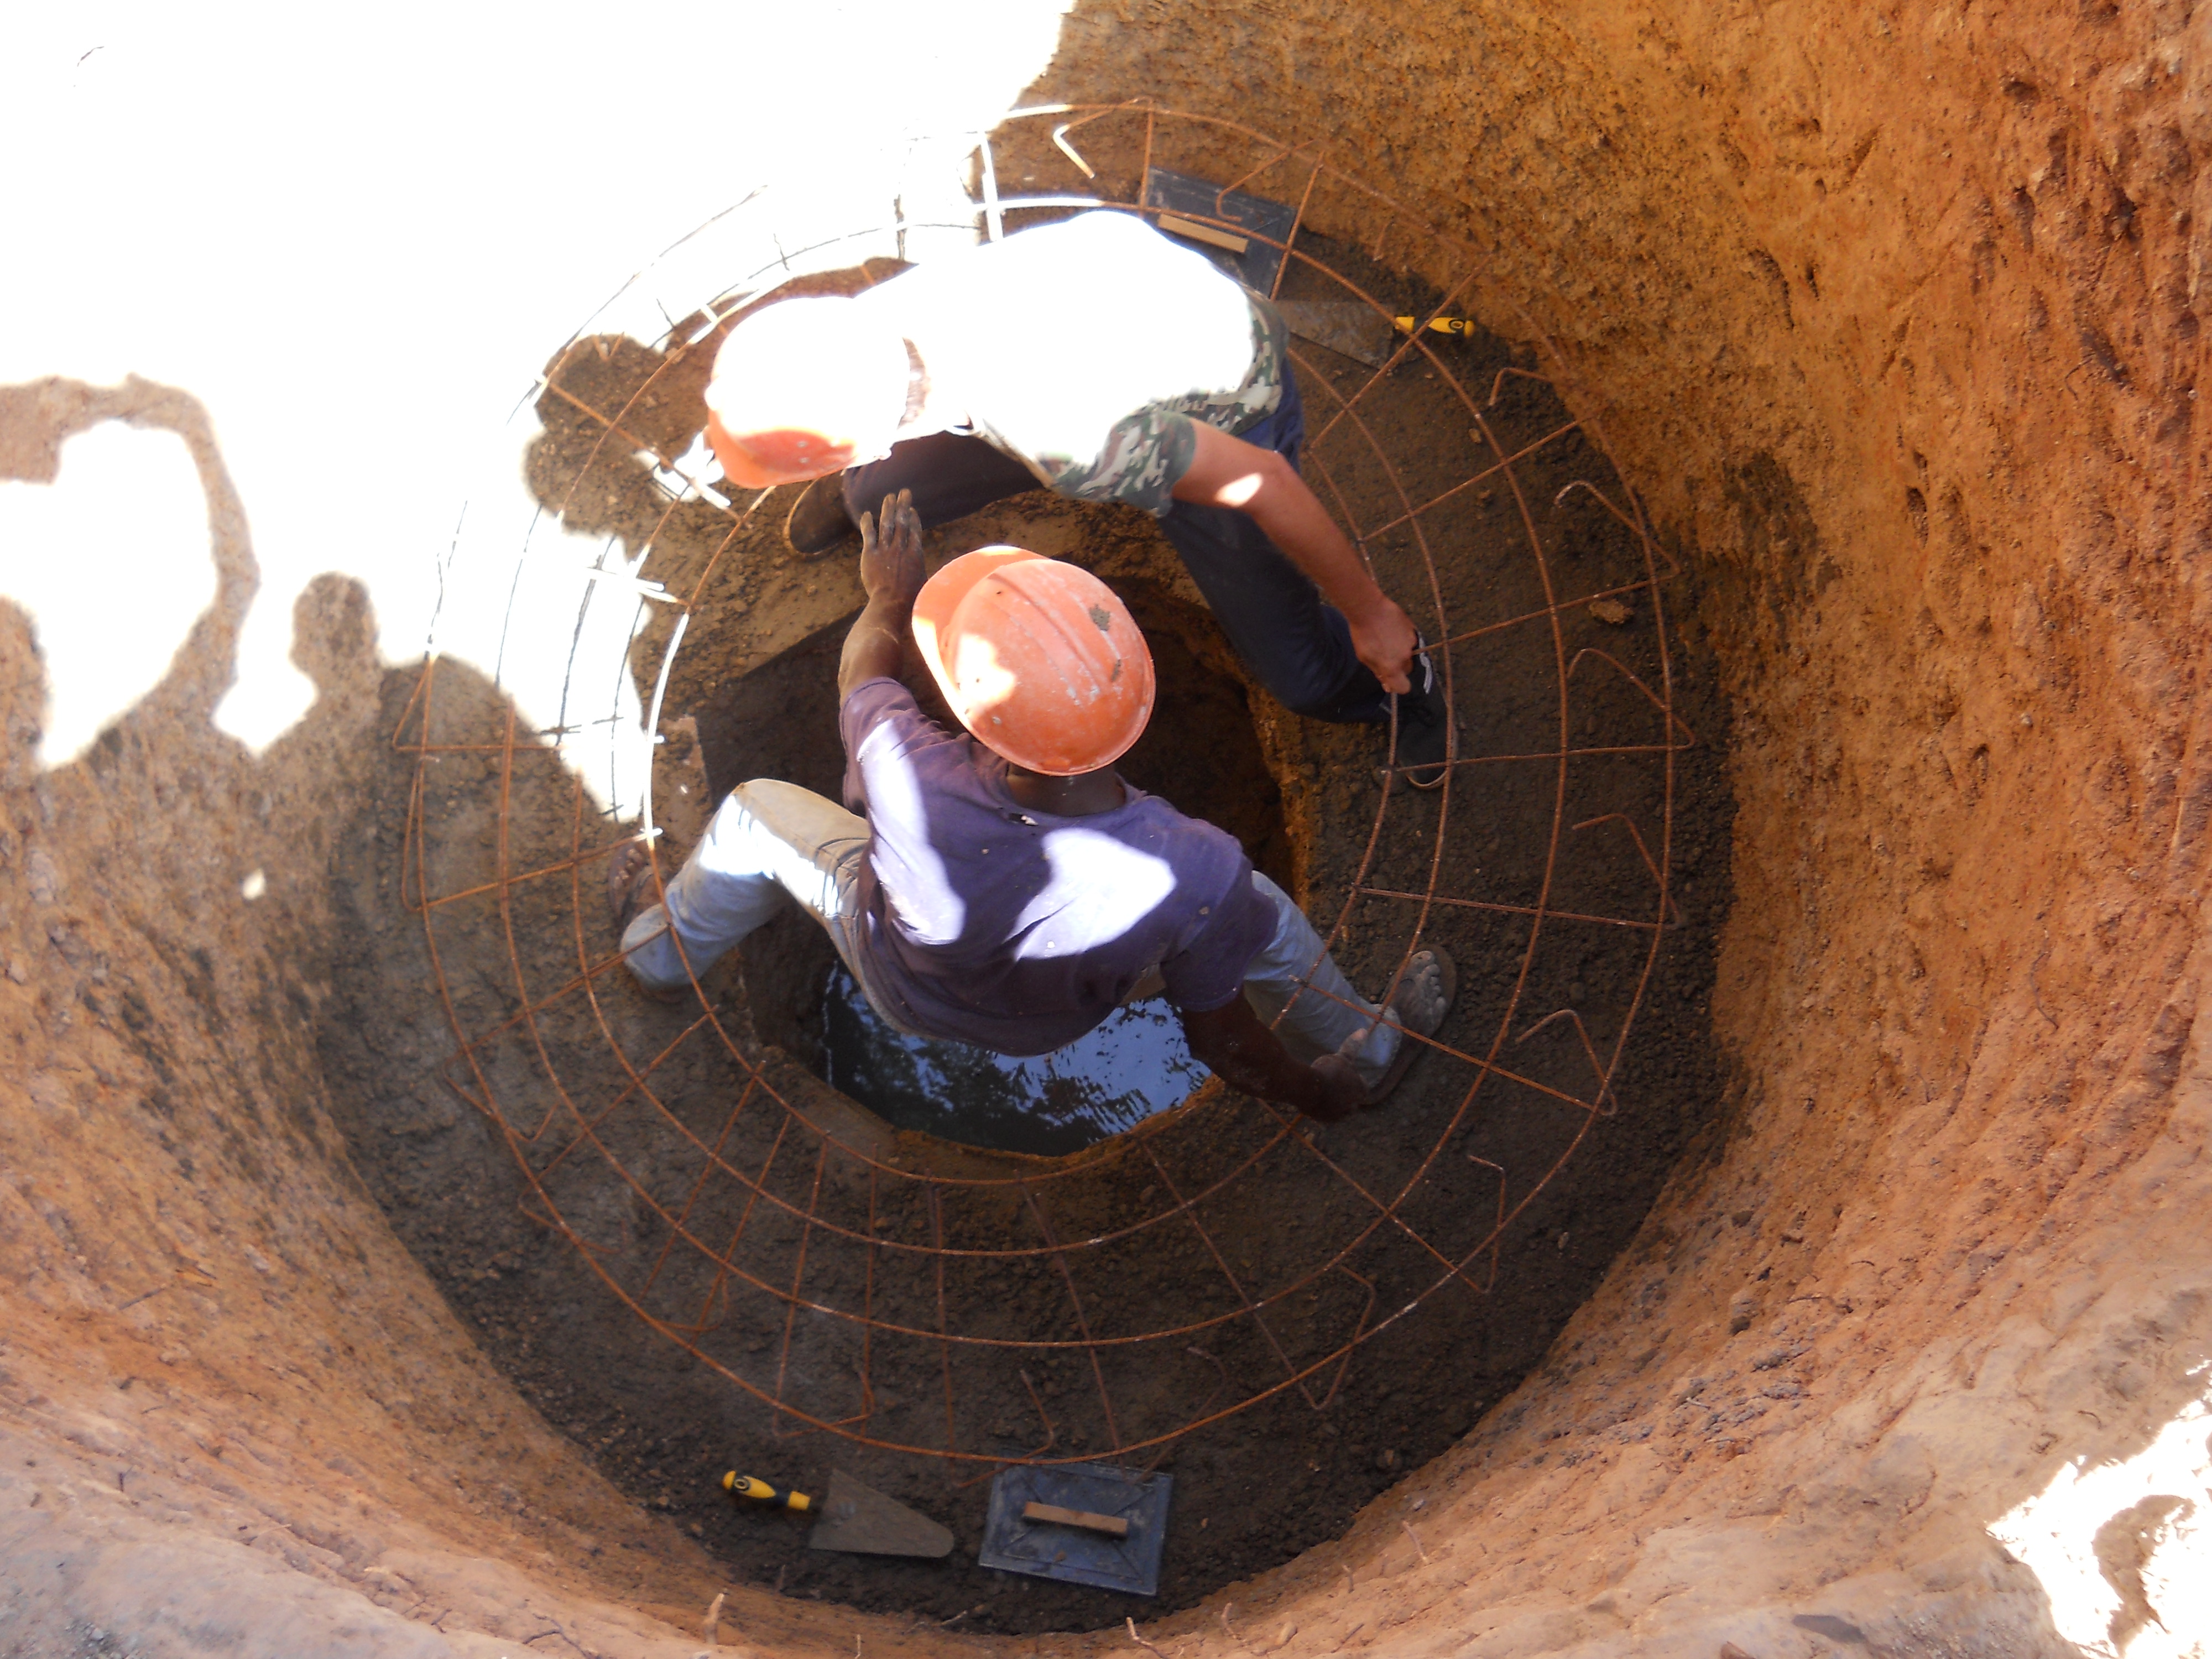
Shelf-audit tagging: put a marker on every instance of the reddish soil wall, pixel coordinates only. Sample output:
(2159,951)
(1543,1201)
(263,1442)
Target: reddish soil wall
(1891,316)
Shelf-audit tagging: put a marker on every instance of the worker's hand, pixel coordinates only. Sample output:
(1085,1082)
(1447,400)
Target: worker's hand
(1385,640)
(1342,1093)
(890,564)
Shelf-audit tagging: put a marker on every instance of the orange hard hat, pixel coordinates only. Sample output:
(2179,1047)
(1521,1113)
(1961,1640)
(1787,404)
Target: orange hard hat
(1038,659)
(804,388)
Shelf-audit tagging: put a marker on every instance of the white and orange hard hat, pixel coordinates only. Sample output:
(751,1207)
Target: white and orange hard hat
(1038,659)
(805,387)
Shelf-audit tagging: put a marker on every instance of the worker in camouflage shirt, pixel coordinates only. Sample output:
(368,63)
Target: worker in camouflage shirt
(1095,358)
(1149,450)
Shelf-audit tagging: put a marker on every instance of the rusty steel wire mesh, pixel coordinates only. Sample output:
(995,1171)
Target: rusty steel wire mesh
(849,1282)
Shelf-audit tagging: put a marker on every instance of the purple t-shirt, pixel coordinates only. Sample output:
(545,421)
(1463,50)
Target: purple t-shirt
(1017,931)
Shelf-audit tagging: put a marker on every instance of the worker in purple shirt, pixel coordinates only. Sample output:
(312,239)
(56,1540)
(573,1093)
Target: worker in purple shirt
(1006,887)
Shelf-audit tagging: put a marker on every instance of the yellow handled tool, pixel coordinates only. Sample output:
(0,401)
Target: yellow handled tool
(1358,330)
(752,1486)
(1461,326)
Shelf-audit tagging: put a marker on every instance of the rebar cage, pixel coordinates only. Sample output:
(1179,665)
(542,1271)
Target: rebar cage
(854,1283)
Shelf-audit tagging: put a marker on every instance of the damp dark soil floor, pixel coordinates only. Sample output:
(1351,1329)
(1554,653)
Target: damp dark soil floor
(534,1176)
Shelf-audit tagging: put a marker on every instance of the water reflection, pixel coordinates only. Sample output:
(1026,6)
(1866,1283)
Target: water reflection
(1132,1067)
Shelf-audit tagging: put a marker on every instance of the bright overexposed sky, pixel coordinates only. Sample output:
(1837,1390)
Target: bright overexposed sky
(355,234)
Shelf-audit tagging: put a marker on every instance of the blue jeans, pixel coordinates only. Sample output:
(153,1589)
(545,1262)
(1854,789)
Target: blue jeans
(1296,644)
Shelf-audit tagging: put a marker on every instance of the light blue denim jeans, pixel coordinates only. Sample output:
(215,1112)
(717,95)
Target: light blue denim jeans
(771,841)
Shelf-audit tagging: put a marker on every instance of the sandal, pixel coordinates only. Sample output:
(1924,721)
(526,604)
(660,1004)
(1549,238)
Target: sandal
(1410,1026)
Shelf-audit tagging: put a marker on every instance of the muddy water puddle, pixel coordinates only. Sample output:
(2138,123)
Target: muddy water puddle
(1132,1065)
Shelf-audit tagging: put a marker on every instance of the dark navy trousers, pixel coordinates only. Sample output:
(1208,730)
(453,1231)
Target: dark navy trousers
(1296,645)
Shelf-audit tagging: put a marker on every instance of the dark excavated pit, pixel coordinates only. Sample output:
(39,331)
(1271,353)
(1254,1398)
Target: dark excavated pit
(1200,754)
(695,1253)
(1891,317)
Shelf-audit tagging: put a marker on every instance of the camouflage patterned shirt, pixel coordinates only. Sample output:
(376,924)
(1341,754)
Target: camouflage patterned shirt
(1145,453)
(1088,348)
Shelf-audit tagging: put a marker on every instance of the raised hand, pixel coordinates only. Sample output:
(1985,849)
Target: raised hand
(890,563)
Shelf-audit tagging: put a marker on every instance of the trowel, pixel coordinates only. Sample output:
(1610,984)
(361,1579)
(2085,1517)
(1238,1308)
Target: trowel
(1360,331)
(853,1519)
